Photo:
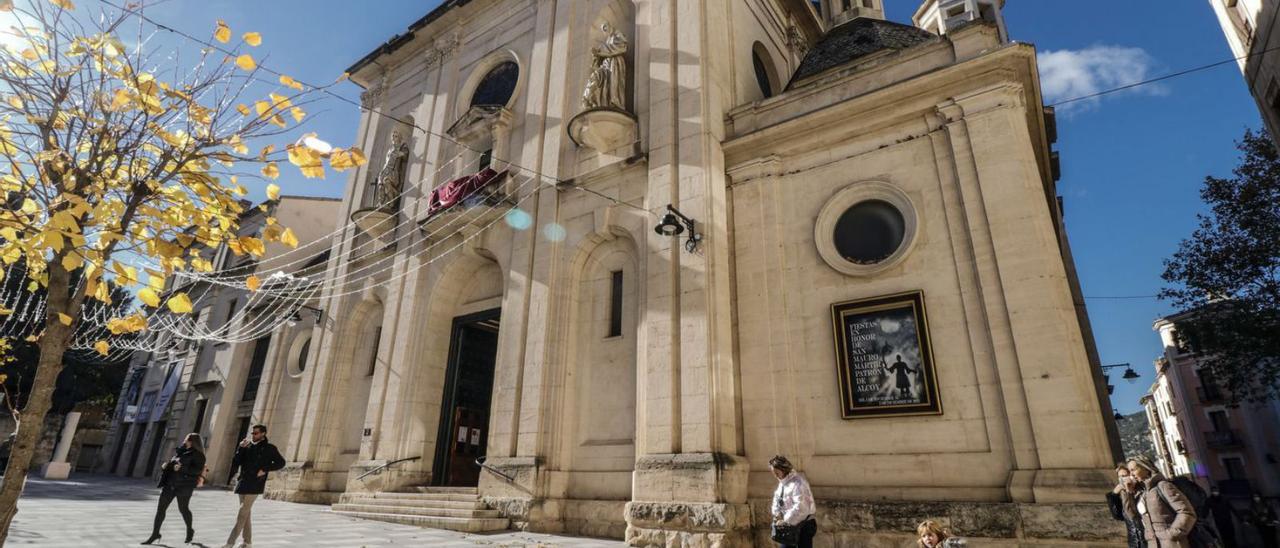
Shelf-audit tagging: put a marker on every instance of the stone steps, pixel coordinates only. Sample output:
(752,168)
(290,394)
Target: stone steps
(453,508)
(466,525)
(477,512)
(419,497)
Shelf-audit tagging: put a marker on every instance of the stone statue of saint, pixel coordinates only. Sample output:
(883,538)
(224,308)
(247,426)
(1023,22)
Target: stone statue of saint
(607,84)
(391,176)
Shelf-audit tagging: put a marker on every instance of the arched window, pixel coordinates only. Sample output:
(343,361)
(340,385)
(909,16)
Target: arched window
(765,74)
(497,86)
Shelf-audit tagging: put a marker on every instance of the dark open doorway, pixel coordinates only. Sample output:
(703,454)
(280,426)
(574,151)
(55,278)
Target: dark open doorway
(468,392)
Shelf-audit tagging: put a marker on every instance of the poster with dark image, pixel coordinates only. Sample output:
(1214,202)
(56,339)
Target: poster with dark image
(883,357)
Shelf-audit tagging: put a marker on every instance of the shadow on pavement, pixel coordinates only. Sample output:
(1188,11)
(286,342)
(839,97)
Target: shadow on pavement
(90,487)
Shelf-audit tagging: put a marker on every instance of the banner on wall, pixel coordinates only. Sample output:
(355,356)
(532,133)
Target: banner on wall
(884,358)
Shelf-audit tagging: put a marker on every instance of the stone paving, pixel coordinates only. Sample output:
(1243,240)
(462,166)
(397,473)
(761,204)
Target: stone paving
(107,511)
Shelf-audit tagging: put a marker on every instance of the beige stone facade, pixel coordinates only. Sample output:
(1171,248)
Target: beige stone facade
(1249,26)
(640,383)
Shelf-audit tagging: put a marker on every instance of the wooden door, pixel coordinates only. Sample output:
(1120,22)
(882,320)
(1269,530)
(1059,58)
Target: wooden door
(470,435)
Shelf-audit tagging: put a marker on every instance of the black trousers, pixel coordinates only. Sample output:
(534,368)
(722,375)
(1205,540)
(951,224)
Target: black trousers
(167,494)
(808,528)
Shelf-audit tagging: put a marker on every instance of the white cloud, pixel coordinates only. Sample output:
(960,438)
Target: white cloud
(1068,74)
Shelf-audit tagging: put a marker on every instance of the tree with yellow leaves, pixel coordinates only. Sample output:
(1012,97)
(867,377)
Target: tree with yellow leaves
(119,164)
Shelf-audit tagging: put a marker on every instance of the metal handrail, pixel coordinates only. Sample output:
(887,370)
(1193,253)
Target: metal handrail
(379,469)
(480,462)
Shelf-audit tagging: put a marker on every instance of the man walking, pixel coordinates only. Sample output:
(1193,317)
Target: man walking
(254,458)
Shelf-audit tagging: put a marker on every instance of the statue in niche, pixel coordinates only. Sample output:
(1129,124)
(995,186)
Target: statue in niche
(391,176)
(607,85)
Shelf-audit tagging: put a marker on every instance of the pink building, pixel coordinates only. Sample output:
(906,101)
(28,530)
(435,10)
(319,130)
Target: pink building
(1196,431)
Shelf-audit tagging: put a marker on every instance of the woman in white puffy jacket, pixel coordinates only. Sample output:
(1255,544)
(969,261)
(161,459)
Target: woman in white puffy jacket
(793,509)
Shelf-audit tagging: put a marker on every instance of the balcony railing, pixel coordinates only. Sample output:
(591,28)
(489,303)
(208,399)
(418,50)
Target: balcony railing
(1221,439)
(1210,394)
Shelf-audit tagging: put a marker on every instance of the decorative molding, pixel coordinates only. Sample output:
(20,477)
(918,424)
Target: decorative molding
(796,41)
(442,51)
(370,97)
(824,226)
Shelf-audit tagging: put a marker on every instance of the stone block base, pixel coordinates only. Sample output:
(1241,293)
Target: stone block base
(56,470)
(298,482)
(893,524)
(692,525)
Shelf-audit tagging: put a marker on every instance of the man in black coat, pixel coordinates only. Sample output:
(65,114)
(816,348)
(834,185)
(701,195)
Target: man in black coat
(254,459)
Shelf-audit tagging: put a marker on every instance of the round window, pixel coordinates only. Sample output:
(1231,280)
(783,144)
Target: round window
(869,232)
(866,228)
(497,86)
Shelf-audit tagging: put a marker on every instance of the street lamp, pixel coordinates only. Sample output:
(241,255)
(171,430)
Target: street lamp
(1129,374)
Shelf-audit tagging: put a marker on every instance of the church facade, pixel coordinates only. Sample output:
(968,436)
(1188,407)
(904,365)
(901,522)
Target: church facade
(610,256)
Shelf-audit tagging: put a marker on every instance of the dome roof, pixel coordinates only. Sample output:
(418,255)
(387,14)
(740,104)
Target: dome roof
(855,39)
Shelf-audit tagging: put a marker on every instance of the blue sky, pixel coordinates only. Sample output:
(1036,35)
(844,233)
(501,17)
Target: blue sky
(1132,163)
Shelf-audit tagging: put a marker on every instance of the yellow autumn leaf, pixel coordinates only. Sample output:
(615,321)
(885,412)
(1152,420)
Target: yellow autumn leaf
(132,323)
(271,171)
(71,261)
(243,110)
(252,38)
(14,100)
(273,191)
(6,5)
(64,4)
(288,238)
(64,319)
(102,347)
(342,160)
(290,82)
(223,32)
(253,283)
(179,303)
(245,62)
(5,311)
(297,113)
(148,296)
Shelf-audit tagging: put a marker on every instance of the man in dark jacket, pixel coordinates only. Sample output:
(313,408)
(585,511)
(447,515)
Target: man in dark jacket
(255,457)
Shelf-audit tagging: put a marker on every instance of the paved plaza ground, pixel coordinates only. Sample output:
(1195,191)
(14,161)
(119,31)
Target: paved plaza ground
(107,511)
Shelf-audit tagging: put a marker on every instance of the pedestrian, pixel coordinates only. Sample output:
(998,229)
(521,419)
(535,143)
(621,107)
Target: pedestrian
(933,535)
(1223,517)
(1167,516)
(254,458)
(1263,518)
(793,508)
(1121,500)
(179,477)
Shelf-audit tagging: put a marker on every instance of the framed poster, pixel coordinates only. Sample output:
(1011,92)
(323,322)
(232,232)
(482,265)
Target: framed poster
(883,357)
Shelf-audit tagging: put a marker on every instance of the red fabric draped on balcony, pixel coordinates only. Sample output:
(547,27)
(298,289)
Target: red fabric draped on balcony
(445,196)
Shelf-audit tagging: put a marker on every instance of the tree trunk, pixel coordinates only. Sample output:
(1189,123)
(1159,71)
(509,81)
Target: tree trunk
(53,344)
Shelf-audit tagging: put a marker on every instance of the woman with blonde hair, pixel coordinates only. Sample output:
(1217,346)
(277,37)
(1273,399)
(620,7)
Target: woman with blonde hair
(1166,515)
(793,508)
(933,535)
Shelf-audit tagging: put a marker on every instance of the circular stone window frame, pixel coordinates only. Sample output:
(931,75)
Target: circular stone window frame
(837,205)
(295,352)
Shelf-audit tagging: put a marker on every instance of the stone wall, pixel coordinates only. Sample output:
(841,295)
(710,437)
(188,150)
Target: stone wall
(893,524)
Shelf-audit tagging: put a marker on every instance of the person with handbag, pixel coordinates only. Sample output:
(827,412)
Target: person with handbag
(793,509)
(179,477)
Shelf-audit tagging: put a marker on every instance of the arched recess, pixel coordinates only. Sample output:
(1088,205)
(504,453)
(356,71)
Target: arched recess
(471,282)
(352,378)
(598,415)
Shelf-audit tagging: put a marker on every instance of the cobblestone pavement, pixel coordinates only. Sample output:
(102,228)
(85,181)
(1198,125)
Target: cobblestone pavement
(107,511)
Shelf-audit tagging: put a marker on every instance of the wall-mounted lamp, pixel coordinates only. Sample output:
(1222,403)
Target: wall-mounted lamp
(297,316)
(675,223)
(1129,374)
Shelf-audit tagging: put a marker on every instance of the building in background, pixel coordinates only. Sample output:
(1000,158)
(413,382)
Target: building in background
(208,384)
(1199,433)
(1249,26)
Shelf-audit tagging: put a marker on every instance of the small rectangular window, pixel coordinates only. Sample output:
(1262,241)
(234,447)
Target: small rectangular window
(486,159)
(615,305)
(373,356)
(231,312)
(202,405)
